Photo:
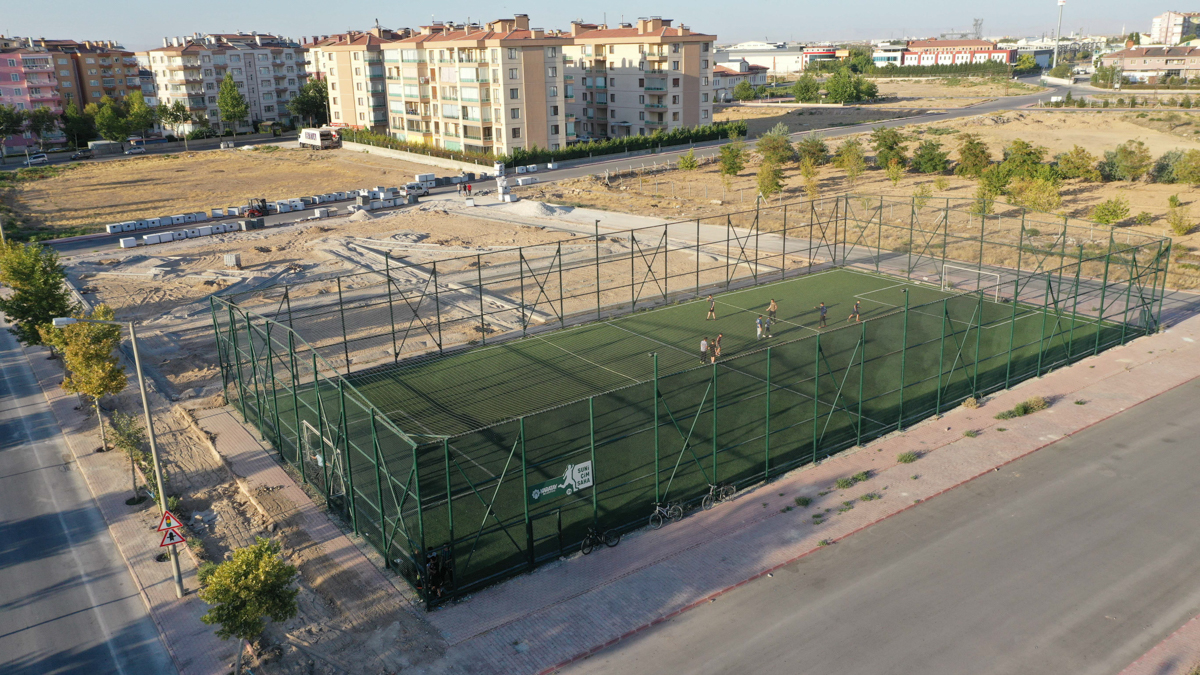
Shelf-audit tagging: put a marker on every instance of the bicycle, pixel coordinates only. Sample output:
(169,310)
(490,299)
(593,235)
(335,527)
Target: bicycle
(665,512)
(716,495)
(593,538)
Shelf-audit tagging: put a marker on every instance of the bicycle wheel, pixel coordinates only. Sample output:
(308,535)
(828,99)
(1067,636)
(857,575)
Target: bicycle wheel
(726,493)
(612,538)
(707,502)
(656,520)
(675,512)
(588,544)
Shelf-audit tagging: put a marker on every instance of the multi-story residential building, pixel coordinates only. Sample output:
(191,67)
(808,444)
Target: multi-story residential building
(1154,64)
(728,76)
(28,81)
(1170,28)
(954,52)
(267,69)
(89,71)
(352,64)
(639,78)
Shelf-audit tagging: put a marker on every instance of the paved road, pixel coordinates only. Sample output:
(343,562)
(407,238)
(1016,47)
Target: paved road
(1076,559)
(67,602)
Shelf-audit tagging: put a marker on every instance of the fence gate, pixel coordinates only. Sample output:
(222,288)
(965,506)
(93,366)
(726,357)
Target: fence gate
(323,462)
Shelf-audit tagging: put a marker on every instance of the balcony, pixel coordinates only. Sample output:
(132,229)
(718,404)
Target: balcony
(32,68)
(656,123)
(661,106)
(655,57)
(44,96)
(656,86)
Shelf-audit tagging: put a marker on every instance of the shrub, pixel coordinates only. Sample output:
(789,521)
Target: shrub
(1026,407)
(861,476)
(970,433)
(895,171)
(774,146)
(732,158)
(1129,162)
(1173,201)
(971,403)
(688,162)
(850,158)
(922,195)
(1077,163)
(907,457)
(844,483)
(769,178)
(1143,219)
(930,158)
(812,186)
(814,148)
(888,144)
(1180,220)
(1036,194)
(1111,212)
(973,156)
(1184,167)
(984,202)
(802,502)
(941,183)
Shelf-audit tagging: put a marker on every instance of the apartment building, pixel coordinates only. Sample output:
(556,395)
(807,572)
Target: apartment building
(28,81)
(352,64)
(268,70)
(91,70)
(729,75)
(639,78)
(955,52)
(1169,28)
(1154,64)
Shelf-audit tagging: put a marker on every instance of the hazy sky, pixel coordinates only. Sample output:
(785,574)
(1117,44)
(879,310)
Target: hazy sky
(141,25)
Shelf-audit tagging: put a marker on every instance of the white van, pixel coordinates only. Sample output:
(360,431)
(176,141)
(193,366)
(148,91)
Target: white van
(417,189)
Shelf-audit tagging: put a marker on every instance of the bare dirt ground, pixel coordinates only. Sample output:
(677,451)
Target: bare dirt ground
(804,118)
(904,90)
(86,197)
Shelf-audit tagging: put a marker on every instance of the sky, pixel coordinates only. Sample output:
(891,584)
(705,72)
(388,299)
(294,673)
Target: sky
(142,25)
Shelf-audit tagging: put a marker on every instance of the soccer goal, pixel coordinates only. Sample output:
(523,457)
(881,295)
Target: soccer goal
(957,278)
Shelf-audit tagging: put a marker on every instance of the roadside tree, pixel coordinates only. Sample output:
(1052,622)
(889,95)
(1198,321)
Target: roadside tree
(231,103)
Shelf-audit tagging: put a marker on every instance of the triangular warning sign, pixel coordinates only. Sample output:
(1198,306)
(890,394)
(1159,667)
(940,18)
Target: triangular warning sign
(171,538)
(168,522)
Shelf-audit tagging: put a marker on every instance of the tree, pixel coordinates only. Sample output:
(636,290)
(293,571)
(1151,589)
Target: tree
(688,161)
(1186,169)
(174,116)
(888,145)
(984,201)
(1023,159)
(139,117)
(732,158)
(813,147)
(895,171)
(743,91)
(39,293)
(1026,63)
(774,145)
(130,437)
(1036,194)
(12,121)
(1078,163)
(39,122)
(77,125)
(1111,212)
(845,87)
(89,358)
(973,156)
(1180,220)
(769,178)
(253,584)
(231,103)
(851,159)
(311,102)
(1134,37)
(812,185)
(1129,162)
(111,122)
(806,89)
(1061,71)
(922,195)
(930,158)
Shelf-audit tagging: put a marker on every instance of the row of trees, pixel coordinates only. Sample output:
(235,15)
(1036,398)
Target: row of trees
(116,120)
(842,86)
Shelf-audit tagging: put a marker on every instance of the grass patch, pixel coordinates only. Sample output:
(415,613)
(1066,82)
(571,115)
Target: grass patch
(1080,402)
(847,483)
(861,476)
(870,497)
(971,403)
(970,433)
(1025,407)
(916,476)
(802,502)
(824,542)
(907,457)
(844,483)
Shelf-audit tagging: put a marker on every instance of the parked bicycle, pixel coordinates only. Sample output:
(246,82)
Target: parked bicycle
(716,495)
(593,538)
(663,513)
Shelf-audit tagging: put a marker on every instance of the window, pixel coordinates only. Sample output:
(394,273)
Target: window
(612,82)
(268,108)
(554,129)
(704,98)
(95,94)
(355,56)
(360,100)
(704,47)
(703,64)
(554,111)
(675,48)
(495,74)
(236,58)
(551,52)
(362,116)
(516,132)
(642,115)
(87,60)
(358,71)
(93,71)
(675,99)
(358,86)
(62,62)
(335,101)
(208,72)
(704,113)
(512,73)
(675,82)
(553,92)
(612,98)
(262,57)
(514,94)
(512,54)
(495,56)
(337,115)
(674,117)
(674,65)
(514,113)
(333,86)
(212,99)
(704,81)
(16,77)
(63,73)
(552,71)
(641,82)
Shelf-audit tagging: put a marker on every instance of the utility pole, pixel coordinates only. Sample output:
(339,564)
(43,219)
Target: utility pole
(1058,33)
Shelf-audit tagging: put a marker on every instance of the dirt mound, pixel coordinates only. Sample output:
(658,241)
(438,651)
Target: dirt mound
(360,216)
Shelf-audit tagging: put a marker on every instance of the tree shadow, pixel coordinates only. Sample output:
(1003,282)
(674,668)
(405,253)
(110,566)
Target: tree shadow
(136,646)
(43,536)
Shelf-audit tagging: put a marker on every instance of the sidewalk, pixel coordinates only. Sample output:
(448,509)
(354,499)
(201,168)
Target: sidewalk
(194,647)
(565,611)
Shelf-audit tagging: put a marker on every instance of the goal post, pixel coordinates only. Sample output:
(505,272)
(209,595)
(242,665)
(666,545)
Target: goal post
(970,279)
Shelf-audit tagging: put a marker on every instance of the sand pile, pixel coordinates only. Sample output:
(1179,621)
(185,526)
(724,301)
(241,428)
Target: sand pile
(360,216)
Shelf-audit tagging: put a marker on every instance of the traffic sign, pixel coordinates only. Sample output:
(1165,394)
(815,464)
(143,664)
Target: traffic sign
(168,522)
(170,538)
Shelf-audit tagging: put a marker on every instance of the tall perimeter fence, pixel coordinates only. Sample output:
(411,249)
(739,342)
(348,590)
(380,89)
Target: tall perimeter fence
(449,499)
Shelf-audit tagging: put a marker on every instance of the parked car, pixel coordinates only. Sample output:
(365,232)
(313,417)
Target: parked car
(37,159)
(416,189)
(137,150)
(85,153)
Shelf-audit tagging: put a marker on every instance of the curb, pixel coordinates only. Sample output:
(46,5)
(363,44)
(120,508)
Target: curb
(713,596)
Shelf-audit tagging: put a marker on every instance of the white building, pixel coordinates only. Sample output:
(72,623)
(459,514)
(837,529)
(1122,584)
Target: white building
(728,75)
(1170,28)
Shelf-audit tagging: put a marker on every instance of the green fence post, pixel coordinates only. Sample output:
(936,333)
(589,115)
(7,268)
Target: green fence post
(521,268)
(978,334)
(417,494)
(321,427)
(1103,291)
(714,423)
(697,257)
(342,312)
(942,356)
(296,405)
(212,308)
(816,395)
(767,424)
(274,393)
(657,496)
(1020,253)
(449,493)
(1128,291)
(757,247)
(783,254)
(479,281)
(1165,266)
(379,478)
(562,292)
(1042,334)
(982,227)
(387,275)
(525,493)
(862,362)
(1012,330)
(912,222)
(592,446)
(597,228)
(666,248)
(728,236)
(437,309)
(879,238)
(254,377)
(1074,305)
(348,468)
(287,297)
(945,233)
(812,216)
(632,272)
(903,359)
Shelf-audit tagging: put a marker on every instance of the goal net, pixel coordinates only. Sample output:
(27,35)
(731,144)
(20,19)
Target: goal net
(970,279)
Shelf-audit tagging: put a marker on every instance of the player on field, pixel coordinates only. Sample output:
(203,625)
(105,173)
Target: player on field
(771,309)
(856,312)
(823,309)
(760,327)
(712,309)
(704,350)
(717,347)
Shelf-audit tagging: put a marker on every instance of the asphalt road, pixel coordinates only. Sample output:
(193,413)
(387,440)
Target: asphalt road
(67,601)
(1076,559)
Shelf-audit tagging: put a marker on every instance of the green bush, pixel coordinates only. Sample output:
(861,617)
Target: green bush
(1129,162)
(930,158)
(907,457)
(1026,407)
(688,162)
(1111,212)
(813,147)
(1143,219)
(888,144)
(973,156)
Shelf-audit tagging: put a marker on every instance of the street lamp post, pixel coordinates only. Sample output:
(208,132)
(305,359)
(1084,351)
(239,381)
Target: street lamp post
(162,495)
(1058,33)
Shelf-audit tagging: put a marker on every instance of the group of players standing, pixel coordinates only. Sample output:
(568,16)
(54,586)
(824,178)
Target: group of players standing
(710,350)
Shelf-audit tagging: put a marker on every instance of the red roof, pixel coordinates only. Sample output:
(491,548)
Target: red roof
(1150,52)
(929,44)
(723,70)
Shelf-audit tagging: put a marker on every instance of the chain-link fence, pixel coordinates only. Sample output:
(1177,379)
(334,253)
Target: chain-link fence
(468,454)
